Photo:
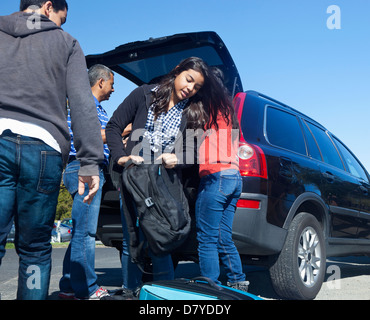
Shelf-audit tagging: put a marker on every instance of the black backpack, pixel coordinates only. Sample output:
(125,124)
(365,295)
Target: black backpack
(160,209)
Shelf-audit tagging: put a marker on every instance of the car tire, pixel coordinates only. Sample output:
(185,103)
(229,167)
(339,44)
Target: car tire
(299,270)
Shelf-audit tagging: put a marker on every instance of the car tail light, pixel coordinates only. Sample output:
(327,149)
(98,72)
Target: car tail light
(250,204)
(239,103)
(252,160)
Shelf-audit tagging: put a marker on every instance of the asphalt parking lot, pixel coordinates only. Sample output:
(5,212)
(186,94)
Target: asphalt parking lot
(347,278)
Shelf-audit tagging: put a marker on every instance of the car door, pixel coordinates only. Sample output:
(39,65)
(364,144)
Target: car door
(286,161)
(342,194)
(340,190)
(355,168)
(364,229)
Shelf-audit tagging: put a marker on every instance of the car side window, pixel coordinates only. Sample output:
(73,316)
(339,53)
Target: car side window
(329,152)
(281,127)
(313,149)
(353,165)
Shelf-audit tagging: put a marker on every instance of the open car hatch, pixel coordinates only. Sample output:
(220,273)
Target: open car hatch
(147,61)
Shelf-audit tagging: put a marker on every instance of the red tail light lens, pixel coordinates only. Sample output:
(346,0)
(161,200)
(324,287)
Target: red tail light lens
(250,204)
(252,161)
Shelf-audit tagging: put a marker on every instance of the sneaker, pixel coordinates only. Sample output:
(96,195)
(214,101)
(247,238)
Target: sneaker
(66,295)
(100,293)
(137,292)
(120,294)
(241,285)
(97,295)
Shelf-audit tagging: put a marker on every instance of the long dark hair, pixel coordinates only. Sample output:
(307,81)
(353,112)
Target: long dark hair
(219,101)
(166,86)
(205,106)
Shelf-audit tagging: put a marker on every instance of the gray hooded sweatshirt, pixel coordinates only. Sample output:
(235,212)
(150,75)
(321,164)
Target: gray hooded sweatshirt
(41,66)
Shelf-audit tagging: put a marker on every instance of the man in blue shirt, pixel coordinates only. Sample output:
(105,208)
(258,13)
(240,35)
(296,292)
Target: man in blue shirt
(79,280)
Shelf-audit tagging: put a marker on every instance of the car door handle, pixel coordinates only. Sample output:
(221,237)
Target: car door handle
(328,176)
(285,168)
(364,190)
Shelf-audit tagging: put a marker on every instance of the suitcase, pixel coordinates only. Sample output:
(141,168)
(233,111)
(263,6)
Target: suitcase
(199,288)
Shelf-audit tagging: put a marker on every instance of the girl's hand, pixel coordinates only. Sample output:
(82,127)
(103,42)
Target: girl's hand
(135,159)
(169,160)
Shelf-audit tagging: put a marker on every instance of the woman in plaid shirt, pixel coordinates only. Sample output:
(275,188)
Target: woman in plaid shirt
(158,114)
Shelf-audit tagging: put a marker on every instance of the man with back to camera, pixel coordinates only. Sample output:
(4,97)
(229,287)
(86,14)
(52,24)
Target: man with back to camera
(79,279)
(43,66)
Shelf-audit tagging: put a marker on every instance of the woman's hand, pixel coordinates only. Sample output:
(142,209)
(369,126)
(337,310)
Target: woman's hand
(169,160)
(135,159)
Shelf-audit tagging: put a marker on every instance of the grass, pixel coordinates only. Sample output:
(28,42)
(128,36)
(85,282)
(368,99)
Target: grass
(11,245)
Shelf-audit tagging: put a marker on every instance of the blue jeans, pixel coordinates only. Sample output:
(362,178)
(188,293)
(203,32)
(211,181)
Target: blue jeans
(215,207)
(79,261)
(30,176)
(132,276)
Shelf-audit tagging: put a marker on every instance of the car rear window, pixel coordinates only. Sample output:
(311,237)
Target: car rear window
(283,130)
(150,69)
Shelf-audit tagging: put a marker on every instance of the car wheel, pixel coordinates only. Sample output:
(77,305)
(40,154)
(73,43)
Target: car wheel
(299,270)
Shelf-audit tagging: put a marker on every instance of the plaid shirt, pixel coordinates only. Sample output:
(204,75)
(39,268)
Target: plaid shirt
(103,119)
(161,133)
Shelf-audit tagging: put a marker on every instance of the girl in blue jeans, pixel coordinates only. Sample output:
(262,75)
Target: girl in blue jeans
(220,185)
(215,207)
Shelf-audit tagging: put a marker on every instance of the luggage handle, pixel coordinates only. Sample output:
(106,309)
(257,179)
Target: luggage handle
(208,280)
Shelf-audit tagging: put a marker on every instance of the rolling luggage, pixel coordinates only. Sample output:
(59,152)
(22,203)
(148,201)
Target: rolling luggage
(199,288)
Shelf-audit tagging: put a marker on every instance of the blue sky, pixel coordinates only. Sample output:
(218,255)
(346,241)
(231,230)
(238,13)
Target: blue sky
(283,49)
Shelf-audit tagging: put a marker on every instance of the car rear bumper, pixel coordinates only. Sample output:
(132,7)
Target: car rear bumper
(252,234)
(110,235)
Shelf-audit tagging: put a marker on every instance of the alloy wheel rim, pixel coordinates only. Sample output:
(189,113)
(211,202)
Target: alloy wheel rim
(309,257)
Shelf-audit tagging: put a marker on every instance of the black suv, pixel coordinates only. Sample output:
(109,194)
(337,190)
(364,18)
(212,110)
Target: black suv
(305,195)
